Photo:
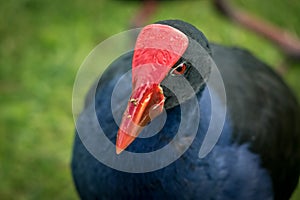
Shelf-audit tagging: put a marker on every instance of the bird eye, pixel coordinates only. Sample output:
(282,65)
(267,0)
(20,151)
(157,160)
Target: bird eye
(179,69)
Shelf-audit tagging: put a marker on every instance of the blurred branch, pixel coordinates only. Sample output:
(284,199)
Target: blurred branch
(289,43)
(147,9)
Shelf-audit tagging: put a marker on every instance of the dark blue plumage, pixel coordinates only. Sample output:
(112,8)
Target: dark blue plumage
(256,156)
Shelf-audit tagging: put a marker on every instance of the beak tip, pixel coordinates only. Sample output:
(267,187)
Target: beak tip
(119,150)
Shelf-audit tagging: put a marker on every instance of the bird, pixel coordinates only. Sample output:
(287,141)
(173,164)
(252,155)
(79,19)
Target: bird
(256,156)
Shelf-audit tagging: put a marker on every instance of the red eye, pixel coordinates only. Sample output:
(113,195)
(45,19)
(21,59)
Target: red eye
(179,70)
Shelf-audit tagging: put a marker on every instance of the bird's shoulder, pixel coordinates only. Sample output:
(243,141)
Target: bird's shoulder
(265,114)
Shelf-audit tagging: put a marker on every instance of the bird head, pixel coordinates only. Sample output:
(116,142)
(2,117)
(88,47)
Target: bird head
(166,59)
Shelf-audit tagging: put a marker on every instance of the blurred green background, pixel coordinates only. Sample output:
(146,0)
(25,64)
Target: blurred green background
(42,45)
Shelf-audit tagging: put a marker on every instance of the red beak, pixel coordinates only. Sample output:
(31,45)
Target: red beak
(158,48)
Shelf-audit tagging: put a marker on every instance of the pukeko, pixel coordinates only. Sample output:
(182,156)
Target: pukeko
(256,155)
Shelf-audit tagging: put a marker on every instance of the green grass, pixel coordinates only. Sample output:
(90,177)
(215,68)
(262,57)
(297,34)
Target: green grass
(43,43)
